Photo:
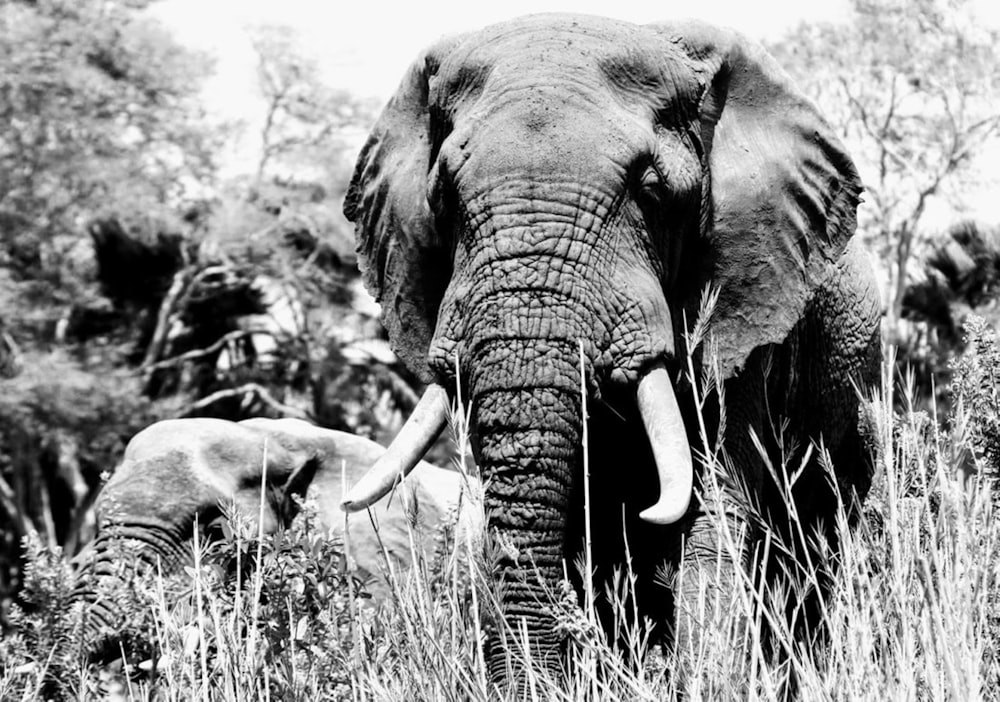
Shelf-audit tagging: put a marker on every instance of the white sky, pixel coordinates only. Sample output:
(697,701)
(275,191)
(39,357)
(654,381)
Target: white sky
(366,45)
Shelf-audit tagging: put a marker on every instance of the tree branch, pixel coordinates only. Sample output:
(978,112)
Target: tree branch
(8,501)
(163,319)
(208,350)
(247,389)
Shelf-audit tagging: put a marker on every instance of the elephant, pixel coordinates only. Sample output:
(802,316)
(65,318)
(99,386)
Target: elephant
(558,191)
(179,470)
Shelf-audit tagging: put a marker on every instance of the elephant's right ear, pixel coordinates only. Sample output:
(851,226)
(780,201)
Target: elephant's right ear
(784,191)
(404,262)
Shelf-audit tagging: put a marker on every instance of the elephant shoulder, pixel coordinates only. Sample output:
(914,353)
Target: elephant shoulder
(847,305)
(835,351)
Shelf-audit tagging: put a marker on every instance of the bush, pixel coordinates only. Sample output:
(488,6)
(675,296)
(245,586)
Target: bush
(976,392)
(247,615)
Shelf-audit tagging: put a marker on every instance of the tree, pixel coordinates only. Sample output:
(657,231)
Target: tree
(98,112)
(958,277)
(99,117)
(307,124)
(914,88)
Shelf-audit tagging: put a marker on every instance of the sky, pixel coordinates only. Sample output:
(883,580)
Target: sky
(365,46)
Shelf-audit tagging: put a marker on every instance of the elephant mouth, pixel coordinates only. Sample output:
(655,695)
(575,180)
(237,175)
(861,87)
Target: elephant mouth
(661,418)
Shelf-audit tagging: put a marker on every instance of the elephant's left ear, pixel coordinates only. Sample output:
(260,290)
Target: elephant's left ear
(404,262)
(784,190)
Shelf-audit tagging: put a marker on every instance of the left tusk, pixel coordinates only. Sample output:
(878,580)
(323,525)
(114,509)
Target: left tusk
(420,431)
(668,439)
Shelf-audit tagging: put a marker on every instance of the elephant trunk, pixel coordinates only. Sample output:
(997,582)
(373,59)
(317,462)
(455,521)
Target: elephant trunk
(122,550)
(527,430)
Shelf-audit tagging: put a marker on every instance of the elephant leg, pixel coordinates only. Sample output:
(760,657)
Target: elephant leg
(716,573)
(709,616)
(831,356)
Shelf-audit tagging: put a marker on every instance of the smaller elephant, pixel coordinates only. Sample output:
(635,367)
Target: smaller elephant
(180,470)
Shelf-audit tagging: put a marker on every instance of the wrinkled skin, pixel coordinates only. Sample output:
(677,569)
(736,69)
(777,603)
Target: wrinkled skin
(178,470)
(557,179)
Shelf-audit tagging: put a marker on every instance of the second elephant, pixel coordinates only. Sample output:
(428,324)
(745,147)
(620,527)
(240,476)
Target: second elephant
(176,471)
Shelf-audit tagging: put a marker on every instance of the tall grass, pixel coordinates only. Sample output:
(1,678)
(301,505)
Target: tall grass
(912,613)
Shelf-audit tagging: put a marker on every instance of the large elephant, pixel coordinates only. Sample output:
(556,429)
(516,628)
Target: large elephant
(560,180)
(175,471)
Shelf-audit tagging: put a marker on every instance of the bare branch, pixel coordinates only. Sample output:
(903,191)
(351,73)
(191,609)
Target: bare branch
(176,299)
(208,350)
(8,500)
(249,389)
(400,388)
(163,318)
(45,510)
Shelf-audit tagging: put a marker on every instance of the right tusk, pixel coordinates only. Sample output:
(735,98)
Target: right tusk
(420,431)
(668,439)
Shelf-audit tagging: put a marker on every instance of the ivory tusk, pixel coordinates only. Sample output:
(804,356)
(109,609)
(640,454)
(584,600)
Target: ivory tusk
(668,439)
(421,429)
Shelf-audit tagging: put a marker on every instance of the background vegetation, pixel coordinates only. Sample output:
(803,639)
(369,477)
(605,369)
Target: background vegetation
(138,283)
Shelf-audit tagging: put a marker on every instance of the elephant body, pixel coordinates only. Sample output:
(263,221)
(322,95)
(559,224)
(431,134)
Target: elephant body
(559,191)
(176,471)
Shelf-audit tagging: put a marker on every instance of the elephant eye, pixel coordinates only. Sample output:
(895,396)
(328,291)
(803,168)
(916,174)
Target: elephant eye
(439,191)
(651,191)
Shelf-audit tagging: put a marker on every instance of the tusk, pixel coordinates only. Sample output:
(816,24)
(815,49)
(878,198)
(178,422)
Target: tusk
(668,439)
(421,429)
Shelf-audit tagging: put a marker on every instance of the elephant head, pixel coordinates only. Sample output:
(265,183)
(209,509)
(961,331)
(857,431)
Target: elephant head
(562,182)
(176,471)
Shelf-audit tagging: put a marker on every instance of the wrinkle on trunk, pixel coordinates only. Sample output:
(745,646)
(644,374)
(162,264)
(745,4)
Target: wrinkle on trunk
(527,435)
(120,552)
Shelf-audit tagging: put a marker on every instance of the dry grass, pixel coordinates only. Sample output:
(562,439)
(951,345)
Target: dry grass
(912,614)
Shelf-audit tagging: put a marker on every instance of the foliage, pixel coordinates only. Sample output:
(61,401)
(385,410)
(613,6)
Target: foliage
(137,286)
(307,124)
(959,277)
(263,319)
(913,89)
(243,607)
(97,114)
(280,237)
(61,428)
(976,390)
(45,622)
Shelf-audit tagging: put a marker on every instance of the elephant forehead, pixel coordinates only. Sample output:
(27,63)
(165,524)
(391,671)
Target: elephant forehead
(217,456)
(160,485)
(591,52)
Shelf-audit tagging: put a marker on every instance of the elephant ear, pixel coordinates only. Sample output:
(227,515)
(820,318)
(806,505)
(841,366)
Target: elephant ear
(405,264)
(784,191)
